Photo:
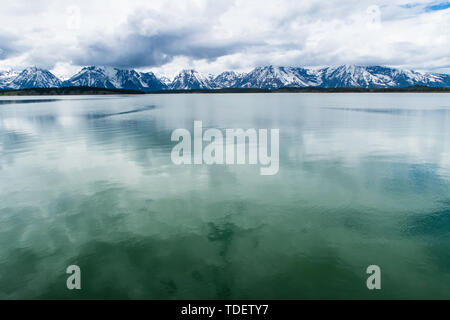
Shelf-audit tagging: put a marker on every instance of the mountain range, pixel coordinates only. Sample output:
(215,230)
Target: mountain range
(268,77)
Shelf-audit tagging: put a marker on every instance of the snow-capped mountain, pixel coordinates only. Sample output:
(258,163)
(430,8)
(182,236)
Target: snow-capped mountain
(191,79)
(133,80)
(272,77)
(342,76)
(6,77)
(269,77)
(92,77)
(113,78)
(355,76)
(165,80)
(34,78)
(228,79)
(378,77)
(404,78)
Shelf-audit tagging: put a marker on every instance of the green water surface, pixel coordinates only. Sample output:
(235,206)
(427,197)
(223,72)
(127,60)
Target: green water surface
(364,180)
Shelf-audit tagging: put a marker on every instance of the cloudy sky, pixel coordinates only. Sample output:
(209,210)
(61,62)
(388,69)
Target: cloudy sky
(213,36)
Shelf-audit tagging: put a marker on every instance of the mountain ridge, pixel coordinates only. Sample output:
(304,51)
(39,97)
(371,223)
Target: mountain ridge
(114,78)
(33,77)
(267,77)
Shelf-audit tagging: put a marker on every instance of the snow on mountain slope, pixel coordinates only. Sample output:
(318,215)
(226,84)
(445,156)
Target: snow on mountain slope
(269,77)
(272,77)
(6,77)
(404,78)
(228,79)
(113,78)
(191,79)
(91,77)
(166,81)
(133,80)
(353,76)
(34,78)
(378,77)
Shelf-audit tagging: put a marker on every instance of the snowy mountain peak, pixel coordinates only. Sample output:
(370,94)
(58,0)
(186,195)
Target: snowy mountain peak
(34,77)
(378,77)
(228,79)
(264,77)
(272,77)
(6,77)
(191,79)
(90,77)
(165,80)
(110,78)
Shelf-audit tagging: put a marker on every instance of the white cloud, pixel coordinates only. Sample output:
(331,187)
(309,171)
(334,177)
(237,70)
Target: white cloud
(212,36)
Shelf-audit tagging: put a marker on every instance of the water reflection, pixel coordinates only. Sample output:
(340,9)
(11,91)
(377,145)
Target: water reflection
(17,101)
(394,111)
(90,182)
(106,115)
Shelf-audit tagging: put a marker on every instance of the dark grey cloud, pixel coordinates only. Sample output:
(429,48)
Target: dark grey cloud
(132,51)
(9,47)
(136,47)
(137,51)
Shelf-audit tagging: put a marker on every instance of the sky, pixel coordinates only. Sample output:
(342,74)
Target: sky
(213,36)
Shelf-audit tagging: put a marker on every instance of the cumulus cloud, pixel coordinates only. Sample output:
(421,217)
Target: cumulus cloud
(9,46)
(137,50)
(211,36)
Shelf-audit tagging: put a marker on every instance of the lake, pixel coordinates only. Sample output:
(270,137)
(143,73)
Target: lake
(364,179)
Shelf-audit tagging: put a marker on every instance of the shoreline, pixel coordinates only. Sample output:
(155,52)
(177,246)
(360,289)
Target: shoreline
(66,91)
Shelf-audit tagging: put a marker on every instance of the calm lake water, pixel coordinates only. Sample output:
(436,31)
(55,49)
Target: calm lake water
(364,180)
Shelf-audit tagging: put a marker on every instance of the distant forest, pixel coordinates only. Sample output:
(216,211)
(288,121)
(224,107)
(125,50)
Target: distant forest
(103,91)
